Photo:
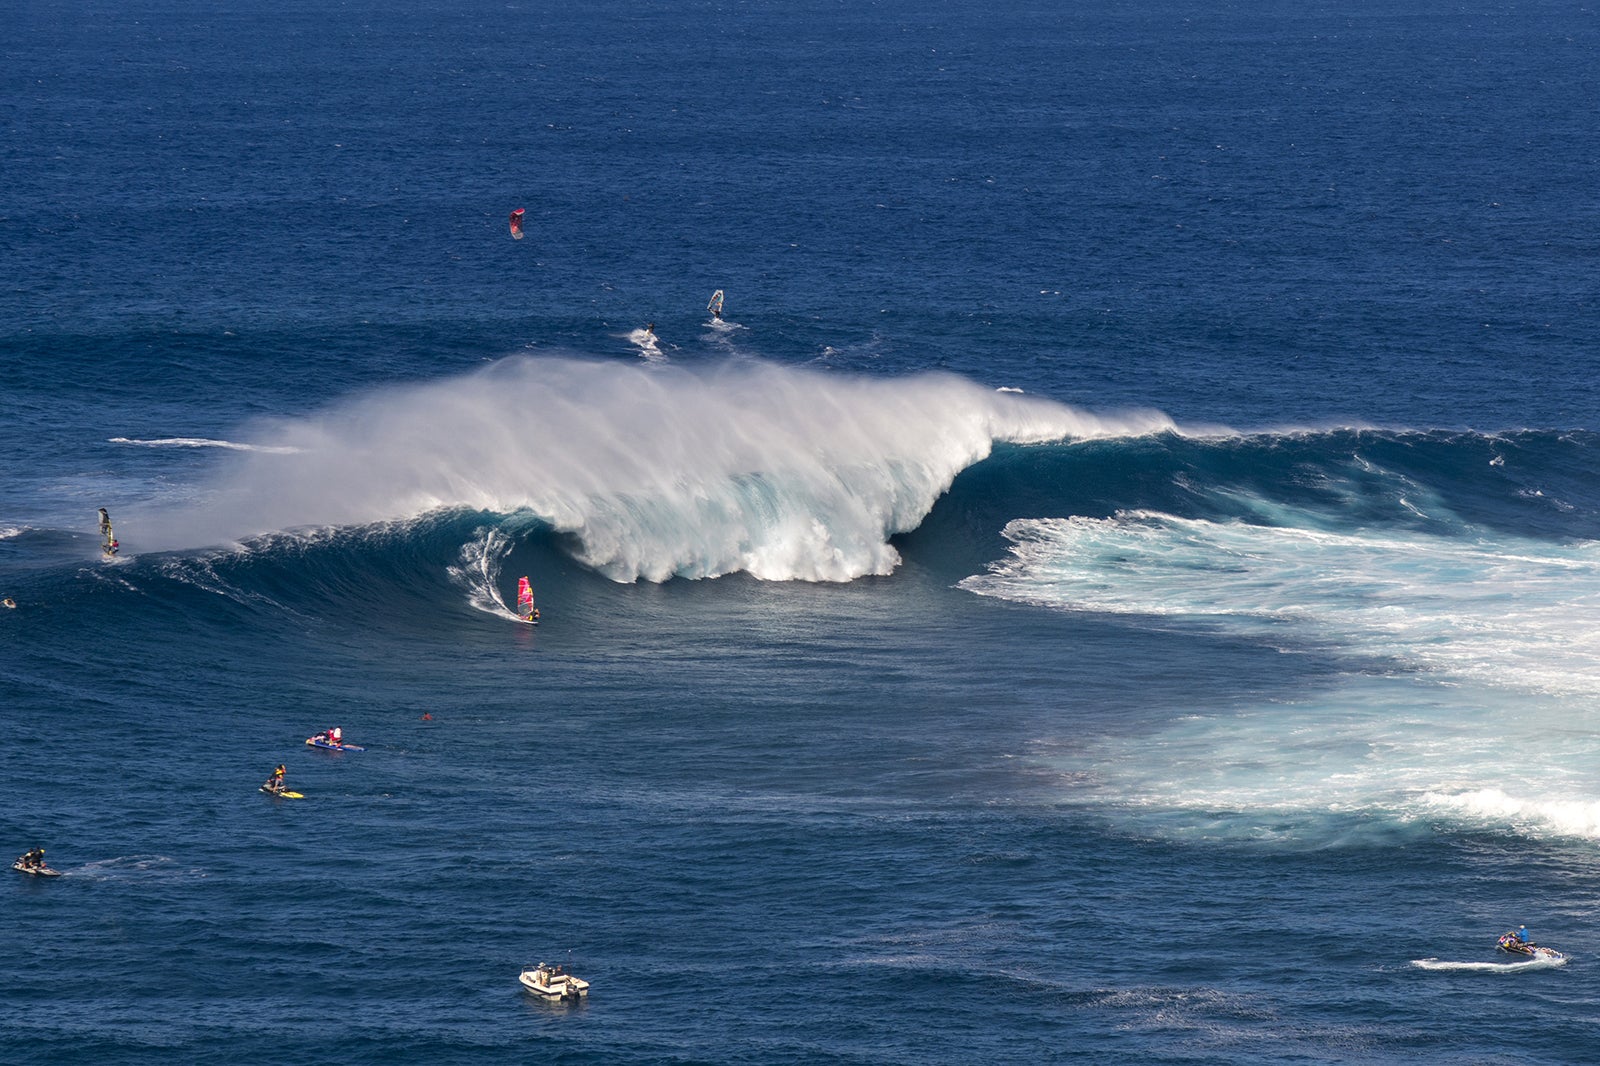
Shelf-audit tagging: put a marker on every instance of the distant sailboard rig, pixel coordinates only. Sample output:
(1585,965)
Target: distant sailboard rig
(516,223)
(715,306)
(108,539)
(525,608)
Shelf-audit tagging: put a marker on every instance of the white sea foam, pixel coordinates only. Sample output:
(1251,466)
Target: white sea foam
(1488,967)
(1502,612)
(655,470)
(648,343)
(1469,694)
(200,442)
(479,572)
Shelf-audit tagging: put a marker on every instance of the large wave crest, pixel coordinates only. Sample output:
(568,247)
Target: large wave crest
(653,471)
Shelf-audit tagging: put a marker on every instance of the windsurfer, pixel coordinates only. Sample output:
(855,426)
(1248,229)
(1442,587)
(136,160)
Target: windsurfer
(525,608)
(109,539)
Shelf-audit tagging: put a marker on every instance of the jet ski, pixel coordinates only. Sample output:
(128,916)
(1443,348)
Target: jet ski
(321,740)
(36,871)
(1514,944)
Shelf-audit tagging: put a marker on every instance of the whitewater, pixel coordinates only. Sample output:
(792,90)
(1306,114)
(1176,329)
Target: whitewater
(783,473)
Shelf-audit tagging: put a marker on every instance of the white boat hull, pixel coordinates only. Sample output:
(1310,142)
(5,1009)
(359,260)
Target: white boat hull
(547,983)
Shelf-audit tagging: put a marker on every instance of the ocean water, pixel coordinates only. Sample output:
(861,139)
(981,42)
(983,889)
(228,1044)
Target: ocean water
(1121,583)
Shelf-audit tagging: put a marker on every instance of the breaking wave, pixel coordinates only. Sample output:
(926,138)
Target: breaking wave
(652,472)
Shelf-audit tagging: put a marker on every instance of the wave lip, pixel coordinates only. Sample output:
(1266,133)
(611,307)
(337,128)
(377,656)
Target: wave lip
(651,471)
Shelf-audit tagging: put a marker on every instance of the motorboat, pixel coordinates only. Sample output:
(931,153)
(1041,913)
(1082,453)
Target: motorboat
(549,982)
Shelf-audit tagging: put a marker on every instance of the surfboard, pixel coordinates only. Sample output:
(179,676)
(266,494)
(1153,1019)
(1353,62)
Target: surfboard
(282,795)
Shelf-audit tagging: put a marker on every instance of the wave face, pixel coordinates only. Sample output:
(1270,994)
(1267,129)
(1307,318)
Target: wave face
(653,472)
(1436,593)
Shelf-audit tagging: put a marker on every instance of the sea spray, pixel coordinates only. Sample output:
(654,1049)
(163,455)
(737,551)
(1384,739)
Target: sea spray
(654,472)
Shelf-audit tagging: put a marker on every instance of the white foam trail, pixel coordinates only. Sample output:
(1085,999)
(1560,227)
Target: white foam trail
(1488,967)
(199,442)
(479,572)
(648,343)
(656,471)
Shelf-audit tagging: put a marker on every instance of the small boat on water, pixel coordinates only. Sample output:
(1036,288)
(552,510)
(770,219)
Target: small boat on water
(1516,945)
(549,982)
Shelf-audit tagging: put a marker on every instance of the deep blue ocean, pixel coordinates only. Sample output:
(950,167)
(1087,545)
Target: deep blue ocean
(1121,583)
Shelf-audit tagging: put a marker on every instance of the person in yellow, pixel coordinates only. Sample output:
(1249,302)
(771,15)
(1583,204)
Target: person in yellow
(275,782)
